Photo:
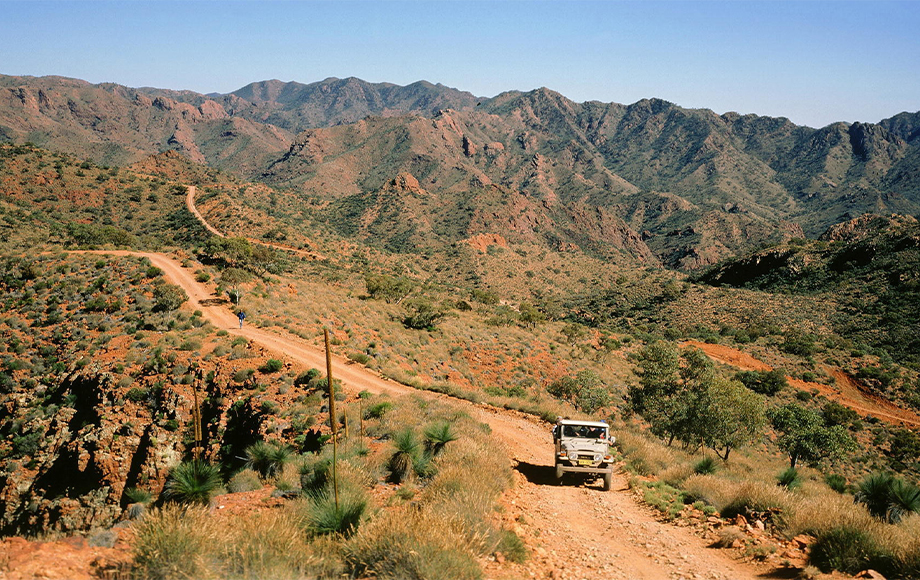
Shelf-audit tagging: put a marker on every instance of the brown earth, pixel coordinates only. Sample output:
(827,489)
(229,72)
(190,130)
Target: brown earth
(846,390)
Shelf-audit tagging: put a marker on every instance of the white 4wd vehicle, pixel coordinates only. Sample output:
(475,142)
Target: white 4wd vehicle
(583,447)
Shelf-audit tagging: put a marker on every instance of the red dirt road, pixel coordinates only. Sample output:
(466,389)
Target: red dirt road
(574,532)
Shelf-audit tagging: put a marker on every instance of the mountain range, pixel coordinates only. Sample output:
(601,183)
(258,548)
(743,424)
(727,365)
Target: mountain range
(423,166)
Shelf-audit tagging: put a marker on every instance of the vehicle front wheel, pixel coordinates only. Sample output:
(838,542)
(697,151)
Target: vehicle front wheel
(558,472)
(608,480)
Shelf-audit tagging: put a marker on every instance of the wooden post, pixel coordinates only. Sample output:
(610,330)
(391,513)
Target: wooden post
(196,416)
(361,416)
(345,416)
(332,418)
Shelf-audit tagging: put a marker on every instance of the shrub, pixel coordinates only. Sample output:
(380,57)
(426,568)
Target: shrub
(137,495)
(764,382)
(315,475)
(402,547)
(402,463)
(245,480)
(422,314)
(439,435)
(848,550)
(272,365)
(168,296)
(790,478)
(836,482)
(325,517)
(377,410)
(887,497)
(706,466)
(512,547)
(268,459)
(175,542)
(192,482)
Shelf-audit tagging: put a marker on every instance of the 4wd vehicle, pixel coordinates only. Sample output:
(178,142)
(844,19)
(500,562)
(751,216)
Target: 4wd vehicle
(583,447)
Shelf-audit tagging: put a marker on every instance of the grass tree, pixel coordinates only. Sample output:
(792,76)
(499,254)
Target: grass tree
(192,482)
(268,459)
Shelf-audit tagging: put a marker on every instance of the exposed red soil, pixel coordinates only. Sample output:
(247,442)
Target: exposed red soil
(846,390)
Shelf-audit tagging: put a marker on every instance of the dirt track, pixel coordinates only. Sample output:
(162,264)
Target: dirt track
(190,205)
(575,532)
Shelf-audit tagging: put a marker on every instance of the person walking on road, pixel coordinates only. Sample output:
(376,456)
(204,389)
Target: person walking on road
(241,315)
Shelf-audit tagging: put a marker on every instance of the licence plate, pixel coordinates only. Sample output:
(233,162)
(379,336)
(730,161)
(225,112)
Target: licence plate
(585,462)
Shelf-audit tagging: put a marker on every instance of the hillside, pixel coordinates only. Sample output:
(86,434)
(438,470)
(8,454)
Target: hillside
(691,186)
(868,265)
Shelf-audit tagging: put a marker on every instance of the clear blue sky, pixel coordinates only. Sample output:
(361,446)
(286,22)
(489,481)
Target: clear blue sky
(814,62)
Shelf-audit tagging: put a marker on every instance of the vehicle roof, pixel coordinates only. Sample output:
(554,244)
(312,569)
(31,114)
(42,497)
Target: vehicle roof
(588,423)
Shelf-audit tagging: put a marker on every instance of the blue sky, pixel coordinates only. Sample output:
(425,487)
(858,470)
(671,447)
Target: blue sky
(814,62)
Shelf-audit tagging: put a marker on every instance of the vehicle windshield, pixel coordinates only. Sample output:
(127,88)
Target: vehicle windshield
(584,431)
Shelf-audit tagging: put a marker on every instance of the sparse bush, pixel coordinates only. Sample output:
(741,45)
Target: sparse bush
(245,480)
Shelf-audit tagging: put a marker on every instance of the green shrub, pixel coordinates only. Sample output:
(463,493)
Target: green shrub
(848,550)
(377,410)
(836,482)
(325,517)
(887,497)
(402,462)
(137,495)
(268,459)
(359,357)
(439,435)
(706,466)
(315,475)
(272,365)
(512,547)
(789,478)
(168,296)
(192,482)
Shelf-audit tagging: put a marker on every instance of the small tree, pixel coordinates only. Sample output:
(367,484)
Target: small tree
(422,314)
(804,435)
(530,316)
(734,416)
(168,296)
(388,288)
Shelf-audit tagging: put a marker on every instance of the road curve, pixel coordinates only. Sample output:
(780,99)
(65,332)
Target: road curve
(576,531)
(190,205)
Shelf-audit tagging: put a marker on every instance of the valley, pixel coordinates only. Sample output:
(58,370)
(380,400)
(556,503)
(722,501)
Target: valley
(735,295)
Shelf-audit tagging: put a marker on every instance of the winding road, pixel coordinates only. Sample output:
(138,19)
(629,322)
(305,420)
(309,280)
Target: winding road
(574,532)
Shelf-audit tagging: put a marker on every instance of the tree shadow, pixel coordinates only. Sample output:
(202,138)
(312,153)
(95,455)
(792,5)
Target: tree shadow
(213,302)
